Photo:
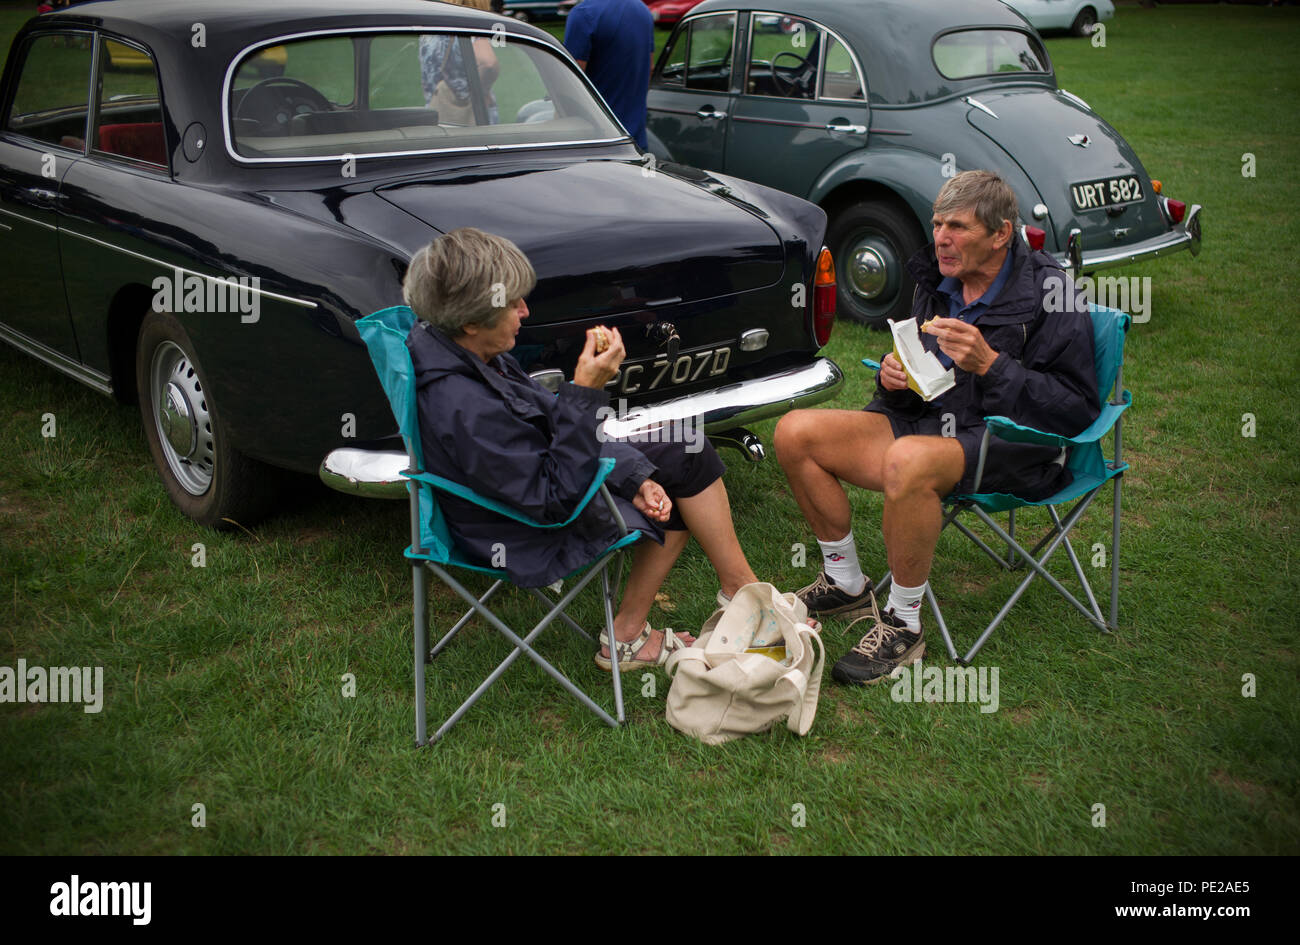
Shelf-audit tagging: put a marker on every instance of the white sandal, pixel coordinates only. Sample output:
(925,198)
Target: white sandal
(627,652)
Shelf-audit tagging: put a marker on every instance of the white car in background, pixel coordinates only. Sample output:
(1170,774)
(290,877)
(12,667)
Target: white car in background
(1077,16)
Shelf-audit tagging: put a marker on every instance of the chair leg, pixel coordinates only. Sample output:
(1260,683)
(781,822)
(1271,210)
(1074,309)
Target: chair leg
(420,580)
(938,619)
(573,625)
(607,599)
(521,645)
(1011,545)
(1114,558)
(1078,569)
(464,620)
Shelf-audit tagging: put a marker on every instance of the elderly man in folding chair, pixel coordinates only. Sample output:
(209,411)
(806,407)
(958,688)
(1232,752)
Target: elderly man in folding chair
(987,301)
(486,424)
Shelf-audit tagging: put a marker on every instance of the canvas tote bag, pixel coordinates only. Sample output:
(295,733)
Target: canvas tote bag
(754,663)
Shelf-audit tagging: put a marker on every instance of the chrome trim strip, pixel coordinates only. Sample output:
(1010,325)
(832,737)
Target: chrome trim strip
(1074,98)
(377,473)
(1175,241)
(60,362)
(740,403)
(19,216)
(190,272)
(777,121)
(353,31)
(971,101)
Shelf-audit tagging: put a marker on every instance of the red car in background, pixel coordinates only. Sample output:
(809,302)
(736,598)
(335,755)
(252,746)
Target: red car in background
(668,12)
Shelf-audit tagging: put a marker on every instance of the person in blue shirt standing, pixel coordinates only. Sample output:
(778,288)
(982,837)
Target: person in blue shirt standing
(614,43)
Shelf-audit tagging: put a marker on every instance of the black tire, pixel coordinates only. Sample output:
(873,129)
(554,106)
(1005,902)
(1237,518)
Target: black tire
(871,242)
(1084,22)
(207,479)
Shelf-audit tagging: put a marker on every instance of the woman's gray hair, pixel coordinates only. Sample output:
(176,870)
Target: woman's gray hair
(466,277)
(983,193)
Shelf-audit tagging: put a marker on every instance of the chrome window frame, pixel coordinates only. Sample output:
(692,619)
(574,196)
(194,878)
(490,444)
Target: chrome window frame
(818,96)
(8,104)
(1021,74)
(100,66)
(238,59)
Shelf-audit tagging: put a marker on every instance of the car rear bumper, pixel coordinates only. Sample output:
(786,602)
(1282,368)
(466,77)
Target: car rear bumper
(378,473)
(1184,236)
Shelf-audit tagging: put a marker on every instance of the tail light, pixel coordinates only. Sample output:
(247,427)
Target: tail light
(1035,237)
(1174,209)
(1156,185)
(824,294)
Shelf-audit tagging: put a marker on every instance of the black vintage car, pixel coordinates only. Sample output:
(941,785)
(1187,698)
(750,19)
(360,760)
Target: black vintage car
(198,200)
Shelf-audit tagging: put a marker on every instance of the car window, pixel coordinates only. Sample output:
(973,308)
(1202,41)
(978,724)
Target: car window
(699,55)
(708,65)
(129,117)
(783,54)
(840,78)
(968,53)
(51,101)
(673,71)
(418,96)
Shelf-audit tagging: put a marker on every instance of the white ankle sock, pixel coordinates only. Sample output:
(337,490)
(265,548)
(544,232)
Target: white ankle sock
(840,562)
(905,602)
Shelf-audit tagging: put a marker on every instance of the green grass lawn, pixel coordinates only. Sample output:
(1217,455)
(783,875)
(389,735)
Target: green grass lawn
(224,682)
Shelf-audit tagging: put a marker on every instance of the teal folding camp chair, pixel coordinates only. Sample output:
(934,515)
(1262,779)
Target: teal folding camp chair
(433,548)
(1092,471)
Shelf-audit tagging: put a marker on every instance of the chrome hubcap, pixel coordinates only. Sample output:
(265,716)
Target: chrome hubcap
(181,415)
(868,272)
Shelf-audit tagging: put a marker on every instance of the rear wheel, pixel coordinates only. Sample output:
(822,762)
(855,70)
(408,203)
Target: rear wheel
(1084,22)
(207,479)
(871,242)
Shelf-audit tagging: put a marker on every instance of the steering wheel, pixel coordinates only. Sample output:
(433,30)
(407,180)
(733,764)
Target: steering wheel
(273,103)
(801,71)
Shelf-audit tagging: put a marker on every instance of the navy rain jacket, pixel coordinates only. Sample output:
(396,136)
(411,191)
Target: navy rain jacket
(1044,376)
(493,428)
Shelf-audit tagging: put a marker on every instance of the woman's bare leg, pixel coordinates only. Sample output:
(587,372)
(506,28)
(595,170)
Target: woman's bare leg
(708,516)
(650,566)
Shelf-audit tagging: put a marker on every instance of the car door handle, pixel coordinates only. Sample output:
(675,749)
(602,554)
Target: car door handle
(846,128)
(709,113)
(42,196)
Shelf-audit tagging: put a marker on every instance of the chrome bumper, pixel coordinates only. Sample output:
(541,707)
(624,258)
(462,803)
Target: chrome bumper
(378,473)
(1184,236)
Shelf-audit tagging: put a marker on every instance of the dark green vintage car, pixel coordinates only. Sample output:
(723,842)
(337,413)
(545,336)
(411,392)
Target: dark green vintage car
(865,107)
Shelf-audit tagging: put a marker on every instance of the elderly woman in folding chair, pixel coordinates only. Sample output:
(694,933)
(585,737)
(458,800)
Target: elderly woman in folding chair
(485,423)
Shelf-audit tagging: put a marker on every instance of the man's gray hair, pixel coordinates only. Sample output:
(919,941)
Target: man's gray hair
(466,277)
(983,193)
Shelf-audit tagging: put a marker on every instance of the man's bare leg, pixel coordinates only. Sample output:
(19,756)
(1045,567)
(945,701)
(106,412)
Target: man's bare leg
(918,472)
(819,449)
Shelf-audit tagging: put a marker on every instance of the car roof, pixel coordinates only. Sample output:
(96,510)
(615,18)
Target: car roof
(252,16)
(897,33)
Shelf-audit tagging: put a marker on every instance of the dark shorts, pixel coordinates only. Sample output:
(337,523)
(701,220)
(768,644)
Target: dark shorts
(1029,481)
(682,474)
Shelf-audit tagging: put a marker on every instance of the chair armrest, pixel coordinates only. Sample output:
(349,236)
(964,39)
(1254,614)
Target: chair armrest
(1109,416)
(1014,432)
(874,365)
(604,468)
